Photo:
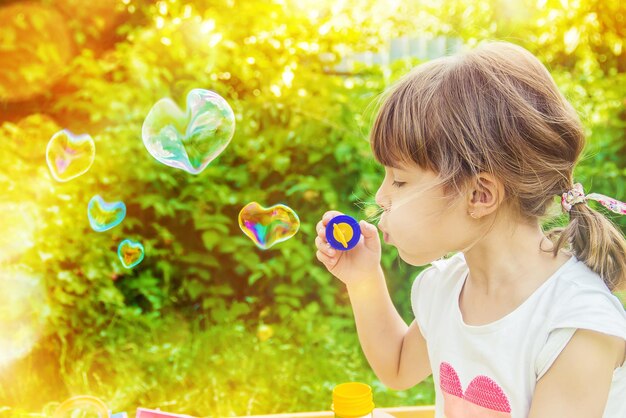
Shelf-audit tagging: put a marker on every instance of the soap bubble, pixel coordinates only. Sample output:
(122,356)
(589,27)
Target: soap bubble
(69,155)
(268,226)
(130,253)
(191,140)
(103,215)
(23,312)
(82,407)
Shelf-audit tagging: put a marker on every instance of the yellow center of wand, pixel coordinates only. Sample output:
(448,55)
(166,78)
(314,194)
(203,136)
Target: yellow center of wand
(343,233)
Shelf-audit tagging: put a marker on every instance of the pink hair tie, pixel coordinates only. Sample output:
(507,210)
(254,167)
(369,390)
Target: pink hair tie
(577,195)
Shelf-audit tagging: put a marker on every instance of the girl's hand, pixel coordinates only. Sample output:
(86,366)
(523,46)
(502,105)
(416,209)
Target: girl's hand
(353,265)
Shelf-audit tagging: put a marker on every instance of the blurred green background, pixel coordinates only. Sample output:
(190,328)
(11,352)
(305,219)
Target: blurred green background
(208,324)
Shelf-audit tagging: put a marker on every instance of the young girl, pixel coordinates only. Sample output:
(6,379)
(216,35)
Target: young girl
(517,323)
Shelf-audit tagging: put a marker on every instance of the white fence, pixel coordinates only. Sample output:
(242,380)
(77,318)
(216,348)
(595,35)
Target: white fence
(401,48)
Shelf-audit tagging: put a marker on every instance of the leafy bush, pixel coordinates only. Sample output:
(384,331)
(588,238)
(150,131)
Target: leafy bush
(179,331)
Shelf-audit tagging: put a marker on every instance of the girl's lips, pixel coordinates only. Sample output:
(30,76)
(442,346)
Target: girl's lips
(386,237)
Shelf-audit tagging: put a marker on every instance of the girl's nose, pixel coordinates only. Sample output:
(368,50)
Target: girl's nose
(381,200)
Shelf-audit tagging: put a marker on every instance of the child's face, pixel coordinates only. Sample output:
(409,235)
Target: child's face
(417,219)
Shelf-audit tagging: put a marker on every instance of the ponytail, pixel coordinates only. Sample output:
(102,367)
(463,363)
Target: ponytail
(592,237)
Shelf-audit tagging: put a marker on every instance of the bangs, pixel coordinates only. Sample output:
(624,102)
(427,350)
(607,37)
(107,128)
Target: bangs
(403,133)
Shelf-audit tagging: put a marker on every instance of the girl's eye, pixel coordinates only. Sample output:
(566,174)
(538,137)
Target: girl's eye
(398,183)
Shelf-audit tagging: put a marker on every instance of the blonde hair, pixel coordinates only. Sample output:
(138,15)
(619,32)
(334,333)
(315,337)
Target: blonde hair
(496,109)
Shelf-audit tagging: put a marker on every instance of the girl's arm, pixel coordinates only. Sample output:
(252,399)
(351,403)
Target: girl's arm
(577,384)
(397,353)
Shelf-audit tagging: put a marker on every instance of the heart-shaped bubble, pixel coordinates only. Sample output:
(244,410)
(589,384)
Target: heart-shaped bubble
(69,155)
(82,406)
(130,253)
(103,215)
(268,226)
(191,140)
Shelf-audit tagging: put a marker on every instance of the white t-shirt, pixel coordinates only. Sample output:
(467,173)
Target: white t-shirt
(490,371)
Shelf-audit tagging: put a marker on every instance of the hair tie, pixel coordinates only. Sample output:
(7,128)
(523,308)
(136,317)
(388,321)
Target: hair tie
(577,195)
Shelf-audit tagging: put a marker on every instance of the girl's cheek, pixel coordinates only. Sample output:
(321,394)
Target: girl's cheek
(404,221)
(394,221)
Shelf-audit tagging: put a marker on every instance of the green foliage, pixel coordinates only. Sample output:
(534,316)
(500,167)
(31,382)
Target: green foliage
(178,331)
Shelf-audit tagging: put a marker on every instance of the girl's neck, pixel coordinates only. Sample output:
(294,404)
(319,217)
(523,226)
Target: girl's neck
(507,258)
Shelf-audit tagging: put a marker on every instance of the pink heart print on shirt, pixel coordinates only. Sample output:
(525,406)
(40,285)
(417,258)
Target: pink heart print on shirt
(483,398)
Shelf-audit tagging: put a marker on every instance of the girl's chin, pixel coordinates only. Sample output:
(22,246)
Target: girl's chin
(407,258)
(413,260)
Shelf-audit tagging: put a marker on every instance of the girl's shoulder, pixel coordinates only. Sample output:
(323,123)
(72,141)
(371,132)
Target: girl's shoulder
(579,298)
(433,289)
(579,281)
(442,275)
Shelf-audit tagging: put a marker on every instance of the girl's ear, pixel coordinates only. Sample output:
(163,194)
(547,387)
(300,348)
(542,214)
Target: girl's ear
(485,195)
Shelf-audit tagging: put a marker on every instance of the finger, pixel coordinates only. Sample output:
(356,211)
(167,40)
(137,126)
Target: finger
(319,227)
(322,234)
(325,247)
(370,235)
(368,230)
(330,215)
(329,262)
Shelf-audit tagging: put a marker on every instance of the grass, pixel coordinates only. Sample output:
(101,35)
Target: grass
(230,369)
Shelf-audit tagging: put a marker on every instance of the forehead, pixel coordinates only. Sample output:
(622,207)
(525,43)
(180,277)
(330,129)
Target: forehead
(407,169)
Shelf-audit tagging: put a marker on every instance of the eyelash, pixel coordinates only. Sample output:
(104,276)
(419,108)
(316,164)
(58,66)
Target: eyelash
(398,183)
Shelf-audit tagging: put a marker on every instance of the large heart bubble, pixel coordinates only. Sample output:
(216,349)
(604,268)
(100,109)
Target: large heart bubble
(191,140)
(268,226)
(69,155)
